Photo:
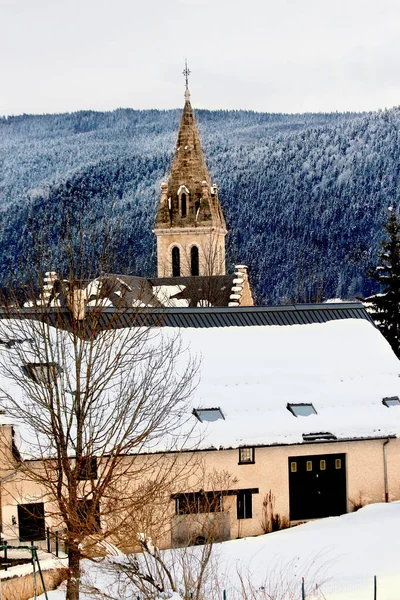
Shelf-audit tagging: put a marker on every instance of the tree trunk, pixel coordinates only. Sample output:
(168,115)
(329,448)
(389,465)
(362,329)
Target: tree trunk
(74,573)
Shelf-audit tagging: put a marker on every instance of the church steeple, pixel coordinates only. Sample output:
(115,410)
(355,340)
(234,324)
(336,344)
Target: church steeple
(190,226)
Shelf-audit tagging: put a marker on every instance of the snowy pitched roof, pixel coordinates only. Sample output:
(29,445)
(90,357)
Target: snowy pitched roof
(194,291)
(344,368)
(335,360)
(128,291)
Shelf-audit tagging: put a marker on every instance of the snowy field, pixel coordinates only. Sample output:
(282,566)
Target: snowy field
(338,557)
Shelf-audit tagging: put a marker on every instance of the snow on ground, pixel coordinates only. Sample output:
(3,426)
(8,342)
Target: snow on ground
(340,554)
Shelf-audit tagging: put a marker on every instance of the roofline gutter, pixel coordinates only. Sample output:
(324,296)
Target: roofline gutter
(235,448)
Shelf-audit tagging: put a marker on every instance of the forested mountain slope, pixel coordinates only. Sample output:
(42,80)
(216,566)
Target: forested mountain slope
(304,196)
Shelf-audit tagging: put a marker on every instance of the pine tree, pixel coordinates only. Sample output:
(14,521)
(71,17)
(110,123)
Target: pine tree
(386,304)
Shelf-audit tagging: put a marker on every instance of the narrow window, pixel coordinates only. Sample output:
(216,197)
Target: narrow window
(194,261)
(309,465)
(246,456)
(322,465)
(244,505)
(176,262)
(293,467)
(183,205)
(338,463)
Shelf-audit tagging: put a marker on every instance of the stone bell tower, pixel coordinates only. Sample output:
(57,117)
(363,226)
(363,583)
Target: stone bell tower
(190,226)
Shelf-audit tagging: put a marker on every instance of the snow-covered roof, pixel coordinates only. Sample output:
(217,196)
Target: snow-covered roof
(344,368)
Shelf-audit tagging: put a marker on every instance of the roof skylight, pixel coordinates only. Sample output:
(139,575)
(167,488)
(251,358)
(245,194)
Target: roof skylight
(42,372)
(391,401)
(301,409)
(322,435)
(208,414)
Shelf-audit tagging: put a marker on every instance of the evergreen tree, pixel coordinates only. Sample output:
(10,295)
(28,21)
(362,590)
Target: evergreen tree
(386,304)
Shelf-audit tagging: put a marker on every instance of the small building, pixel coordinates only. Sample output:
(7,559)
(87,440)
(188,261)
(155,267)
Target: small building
(295,417)
(301,405)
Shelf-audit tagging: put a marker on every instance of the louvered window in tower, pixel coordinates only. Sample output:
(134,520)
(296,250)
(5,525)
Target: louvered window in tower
(194,261)
(183,205)
(176,262)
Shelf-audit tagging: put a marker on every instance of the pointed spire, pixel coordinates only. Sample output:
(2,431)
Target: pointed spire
(189,166)
(189,176)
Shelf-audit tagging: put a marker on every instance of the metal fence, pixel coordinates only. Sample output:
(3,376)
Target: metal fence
(53,544)
(369,587)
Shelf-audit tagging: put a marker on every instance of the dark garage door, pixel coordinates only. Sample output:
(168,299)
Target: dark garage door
(31,522)
(317,486)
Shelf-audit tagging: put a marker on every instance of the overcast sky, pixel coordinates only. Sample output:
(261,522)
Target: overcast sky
(264,55)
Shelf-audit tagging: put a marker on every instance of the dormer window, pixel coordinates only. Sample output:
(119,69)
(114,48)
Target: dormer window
(301,410)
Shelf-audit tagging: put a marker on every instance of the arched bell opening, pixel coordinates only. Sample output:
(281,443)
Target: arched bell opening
(194,261)
(176,262)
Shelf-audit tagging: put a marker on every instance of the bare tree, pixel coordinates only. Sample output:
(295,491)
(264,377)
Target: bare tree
(96,392)
(190,569)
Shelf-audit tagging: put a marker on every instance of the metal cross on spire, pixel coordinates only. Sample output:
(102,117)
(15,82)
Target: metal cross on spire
(186,72)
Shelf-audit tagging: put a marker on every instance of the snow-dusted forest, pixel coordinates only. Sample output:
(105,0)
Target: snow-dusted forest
(304,196)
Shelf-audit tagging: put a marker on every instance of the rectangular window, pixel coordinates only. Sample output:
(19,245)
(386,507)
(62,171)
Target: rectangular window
(31,522)
(338,463)
(322,465)
(309,465)
(293,467)
(246,456)
(86,468)
(198,502)
(89,516)
(244,504)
